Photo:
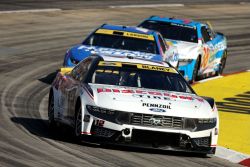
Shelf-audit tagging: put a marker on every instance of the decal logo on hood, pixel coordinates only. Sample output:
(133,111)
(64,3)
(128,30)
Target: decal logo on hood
(119,52)
(157,110)
(161,95)
(156,105)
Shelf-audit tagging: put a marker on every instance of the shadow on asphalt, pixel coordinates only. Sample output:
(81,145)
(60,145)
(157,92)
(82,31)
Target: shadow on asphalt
(39,127)
(49,78)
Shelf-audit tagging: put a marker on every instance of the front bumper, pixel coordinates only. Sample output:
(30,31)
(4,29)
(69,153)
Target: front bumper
(153,140)
(135,129)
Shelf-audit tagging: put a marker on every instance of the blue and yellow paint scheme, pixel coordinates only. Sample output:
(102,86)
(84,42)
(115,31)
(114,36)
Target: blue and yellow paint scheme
(80,51)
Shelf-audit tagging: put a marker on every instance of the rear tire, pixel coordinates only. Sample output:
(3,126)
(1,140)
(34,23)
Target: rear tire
(52,122)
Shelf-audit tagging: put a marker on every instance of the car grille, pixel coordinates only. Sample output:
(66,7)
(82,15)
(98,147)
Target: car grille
(156,121)
(155,138)
(102,132)
(203,141)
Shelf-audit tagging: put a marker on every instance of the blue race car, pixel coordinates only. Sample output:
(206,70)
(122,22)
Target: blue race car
(201,51)
(119,41)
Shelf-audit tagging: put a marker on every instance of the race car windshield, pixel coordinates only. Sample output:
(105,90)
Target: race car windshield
(140,78)
(122,42)
(173,31)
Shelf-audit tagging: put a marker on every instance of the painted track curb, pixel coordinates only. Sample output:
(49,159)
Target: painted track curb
(233,156)
(222,152)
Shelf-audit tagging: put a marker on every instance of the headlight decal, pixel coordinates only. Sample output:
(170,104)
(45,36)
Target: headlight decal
(109,115)
(120,117)
(194,124)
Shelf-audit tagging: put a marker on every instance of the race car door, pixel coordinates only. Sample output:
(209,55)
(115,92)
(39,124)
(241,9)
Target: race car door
(209,51)
(63,84)
(74,86)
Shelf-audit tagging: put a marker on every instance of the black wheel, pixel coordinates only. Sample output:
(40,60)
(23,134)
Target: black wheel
(222,64)
(195,71)
(52,123)
(78,123)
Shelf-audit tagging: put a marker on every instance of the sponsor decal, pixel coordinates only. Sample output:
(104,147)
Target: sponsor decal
(157,110)
(183,25)
(221,45)
(117,52)
(125,34)
(156,68)
(107,63)
(139,66)
(152,97)
(99,122)
(149,94)
(156,105)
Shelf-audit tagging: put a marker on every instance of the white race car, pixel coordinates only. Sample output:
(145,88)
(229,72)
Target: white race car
(136,102)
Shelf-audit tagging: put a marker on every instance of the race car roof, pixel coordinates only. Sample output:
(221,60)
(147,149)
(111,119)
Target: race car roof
(188,22)
(134,60)
(128,29)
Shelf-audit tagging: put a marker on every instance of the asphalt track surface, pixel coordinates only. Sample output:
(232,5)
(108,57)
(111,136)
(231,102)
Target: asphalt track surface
(80,4)
(32,48)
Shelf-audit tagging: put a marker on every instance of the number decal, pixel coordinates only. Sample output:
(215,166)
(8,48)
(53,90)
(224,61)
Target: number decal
(99,122)
(205,57)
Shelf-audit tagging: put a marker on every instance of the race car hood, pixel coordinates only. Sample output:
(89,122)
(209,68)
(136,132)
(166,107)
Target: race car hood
(80,52)
(186,50)
(149,101)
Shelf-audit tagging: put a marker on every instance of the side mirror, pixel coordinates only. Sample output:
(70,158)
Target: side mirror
(210,100)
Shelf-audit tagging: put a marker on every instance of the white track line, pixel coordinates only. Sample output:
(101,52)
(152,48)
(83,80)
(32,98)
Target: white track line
(209,79)
(244,3)
(148,6)
(30,11)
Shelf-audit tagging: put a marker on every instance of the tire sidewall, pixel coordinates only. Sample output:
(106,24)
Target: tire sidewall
(51,111)
(78,122)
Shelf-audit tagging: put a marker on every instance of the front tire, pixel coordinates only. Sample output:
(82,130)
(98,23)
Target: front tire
(78,123)
(52,122)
